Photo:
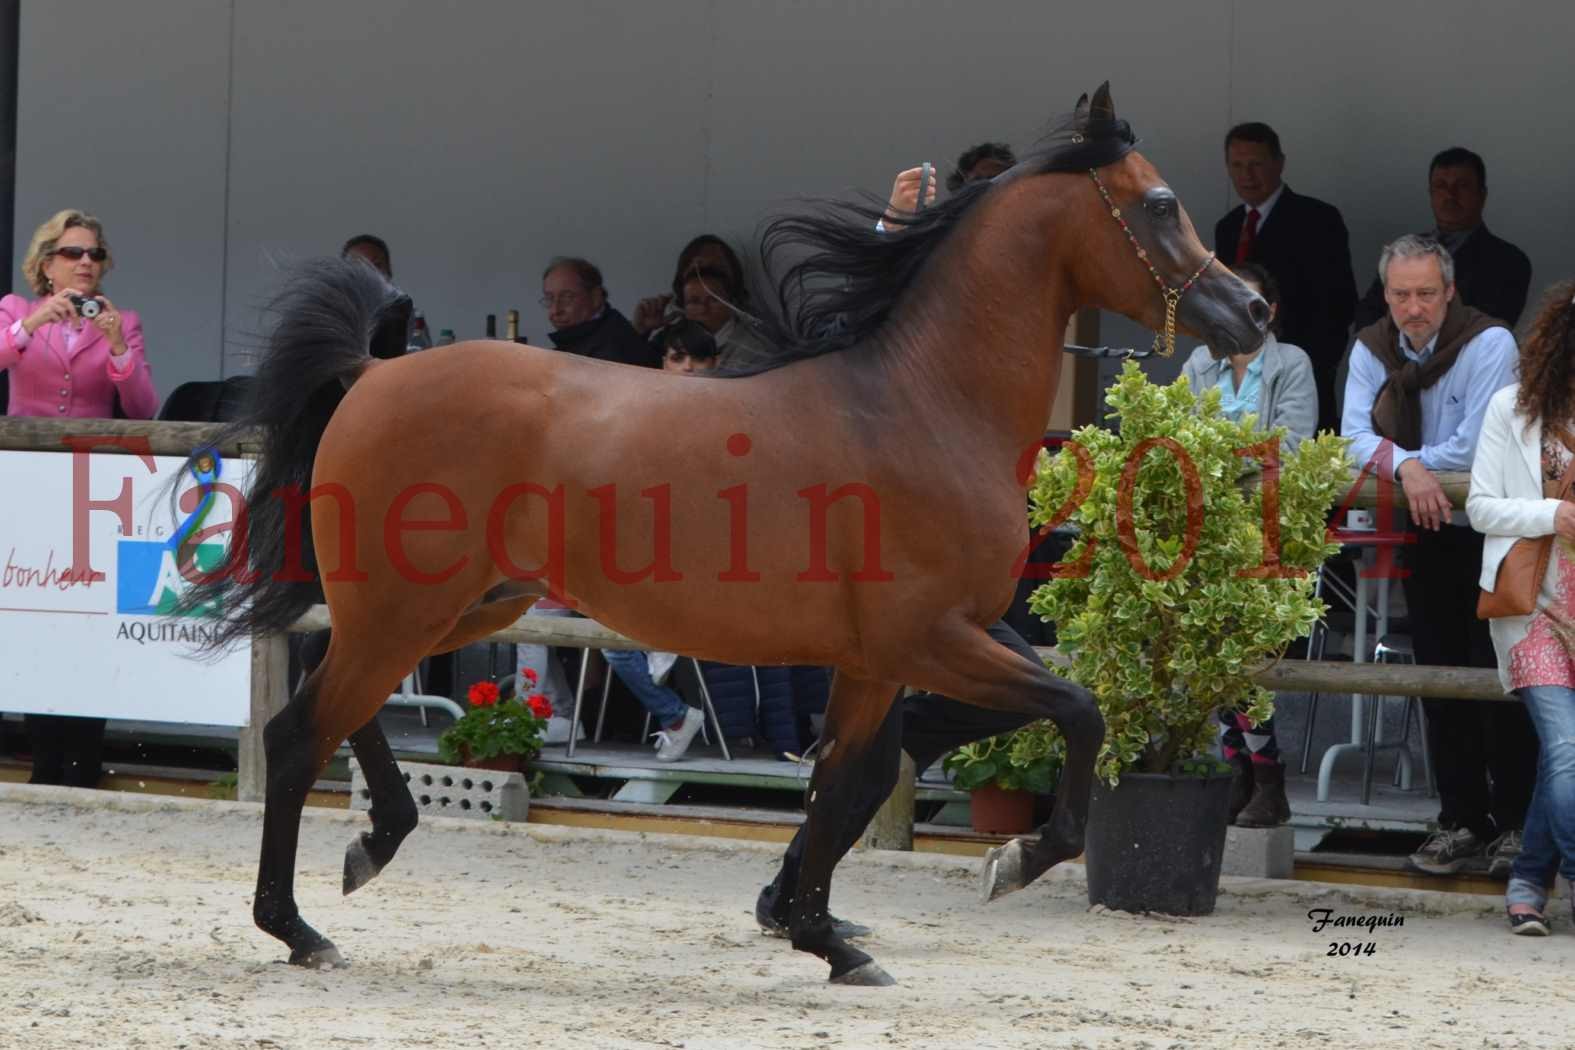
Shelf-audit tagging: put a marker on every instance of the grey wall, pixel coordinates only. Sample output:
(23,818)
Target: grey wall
(481,138)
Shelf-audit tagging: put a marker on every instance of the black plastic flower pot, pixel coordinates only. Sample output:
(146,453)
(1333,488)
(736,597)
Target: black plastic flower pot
(1155,842)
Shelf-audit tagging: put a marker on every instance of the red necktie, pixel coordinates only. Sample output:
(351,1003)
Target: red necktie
(1249,233)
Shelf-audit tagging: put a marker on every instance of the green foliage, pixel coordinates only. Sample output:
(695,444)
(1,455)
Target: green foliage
(487,730)
(1162,655)
(224,786)
(1026,759)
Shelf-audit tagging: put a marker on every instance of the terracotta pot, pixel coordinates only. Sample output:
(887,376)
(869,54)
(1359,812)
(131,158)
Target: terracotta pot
(502,763)
(997,811)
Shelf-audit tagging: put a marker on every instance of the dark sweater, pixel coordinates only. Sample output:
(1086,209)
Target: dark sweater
(609,337)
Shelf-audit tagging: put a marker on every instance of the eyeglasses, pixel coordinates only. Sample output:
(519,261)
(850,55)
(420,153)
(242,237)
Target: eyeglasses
(561,299)
(74,253)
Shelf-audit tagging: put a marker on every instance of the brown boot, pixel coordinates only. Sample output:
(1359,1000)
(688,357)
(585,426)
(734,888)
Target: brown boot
(1240,785)
(1269,807)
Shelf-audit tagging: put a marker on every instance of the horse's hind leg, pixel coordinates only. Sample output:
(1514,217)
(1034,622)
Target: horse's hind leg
(362,666)
(292,742)
(394,812)
(838,791)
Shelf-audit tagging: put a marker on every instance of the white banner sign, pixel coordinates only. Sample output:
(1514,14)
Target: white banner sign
(102,644)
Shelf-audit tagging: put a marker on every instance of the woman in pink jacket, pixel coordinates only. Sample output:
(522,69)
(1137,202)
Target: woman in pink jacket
(71,352)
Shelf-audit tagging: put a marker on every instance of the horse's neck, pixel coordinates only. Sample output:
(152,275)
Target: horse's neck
(981,341)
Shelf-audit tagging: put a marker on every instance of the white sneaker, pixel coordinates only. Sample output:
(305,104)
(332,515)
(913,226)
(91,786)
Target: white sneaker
(672,743)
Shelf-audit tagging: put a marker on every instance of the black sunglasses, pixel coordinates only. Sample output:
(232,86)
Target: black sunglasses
(75,253)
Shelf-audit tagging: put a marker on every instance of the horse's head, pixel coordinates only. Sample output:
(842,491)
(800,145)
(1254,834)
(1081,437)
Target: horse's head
(1138,253)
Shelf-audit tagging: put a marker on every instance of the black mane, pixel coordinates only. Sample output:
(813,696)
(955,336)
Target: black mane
(847,276)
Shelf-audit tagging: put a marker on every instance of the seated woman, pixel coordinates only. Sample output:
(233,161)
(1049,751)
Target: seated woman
(1525,459)
(709,299)
(706,252)
(1274,381)
(71,352)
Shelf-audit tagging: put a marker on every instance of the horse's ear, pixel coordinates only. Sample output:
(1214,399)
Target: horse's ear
(1080,113)
(1103,108)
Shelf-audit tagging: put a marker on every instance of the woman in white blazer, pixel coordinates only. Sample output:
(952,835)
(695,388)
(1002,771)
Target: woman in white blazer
(1275,382)
(1519,460)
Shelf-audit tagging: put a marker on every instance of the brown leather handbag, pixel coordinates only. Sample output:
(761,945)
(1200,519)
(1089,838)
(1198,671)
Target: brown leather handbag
(1520,574)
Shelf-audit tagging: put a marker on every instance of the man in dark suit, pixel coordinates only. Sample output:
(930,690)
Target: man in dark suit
(1491,274)
(1302,242)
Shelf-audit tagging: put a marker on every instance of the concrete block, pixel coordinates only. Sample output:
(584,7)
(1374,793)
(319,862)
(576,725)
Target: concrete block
(454,791)
(1261,853)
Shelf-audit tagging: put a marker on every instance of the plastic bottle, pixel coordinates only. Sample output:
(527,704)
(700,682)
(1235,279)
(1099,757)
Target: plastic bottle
(420,338)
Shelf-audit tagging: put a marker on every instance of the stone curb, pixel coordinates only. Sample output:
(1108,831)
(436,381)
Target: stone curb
(1408,901)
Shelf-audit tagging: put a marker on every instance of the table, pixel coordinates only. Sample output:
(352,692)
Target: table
(1368,543)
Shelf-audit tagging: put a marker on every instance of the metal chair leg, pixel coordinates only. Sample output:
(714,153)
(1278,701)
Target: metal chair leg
(1370,747)
(1312,713)
(579,696)
(710,709)
(601,712)
(1405,734)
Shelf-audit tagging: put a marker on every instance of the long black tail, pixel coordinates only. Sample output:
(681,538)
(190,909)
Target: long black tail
(333,317)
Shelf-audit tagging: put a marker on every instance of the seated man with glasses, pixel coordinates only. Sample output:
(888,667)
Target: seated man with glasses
(583,323)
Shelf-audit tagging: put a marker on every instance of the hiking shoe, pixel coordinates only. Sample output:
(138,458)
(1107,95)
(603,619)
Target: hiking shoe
(1446,852)
(1528,924)
(672,743)
(1502,853)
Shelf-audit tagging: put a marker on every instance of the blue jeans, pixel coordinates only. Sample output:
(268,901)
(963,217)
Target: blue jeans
(1549,844)
(633,668)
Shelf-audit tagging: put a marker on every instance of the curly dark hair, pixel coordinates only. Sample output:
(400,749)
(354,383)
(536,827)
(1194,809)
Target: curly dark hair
(1547,380)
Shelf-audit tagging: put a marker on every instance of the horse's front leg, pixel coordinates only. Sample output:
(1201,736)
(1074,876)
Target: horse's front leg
(774,906)
(841,793)
(967,663)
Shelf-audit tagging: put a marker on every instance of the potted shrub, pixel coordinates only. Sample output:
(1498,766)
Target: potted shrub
(1004,774)
(1186,578)
(497,733)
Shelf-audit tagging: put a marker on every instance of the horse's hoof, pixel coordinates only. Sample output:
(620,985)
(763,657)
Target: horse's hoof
(1003,871)
(326,957)
(360,868)
(868,975)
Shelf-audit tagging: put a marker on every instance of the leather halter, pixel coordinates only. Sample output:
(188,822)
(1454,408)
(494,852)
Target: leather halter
(1164,345)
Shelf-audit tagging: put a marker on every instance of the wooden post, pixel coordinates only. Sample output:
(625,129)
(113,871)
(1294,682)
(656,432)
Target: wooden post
(892,827)
(270,692)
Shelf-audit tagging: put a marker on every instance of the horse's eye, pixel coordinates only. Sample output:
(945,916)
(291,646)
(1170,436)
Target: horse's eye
(1161,207)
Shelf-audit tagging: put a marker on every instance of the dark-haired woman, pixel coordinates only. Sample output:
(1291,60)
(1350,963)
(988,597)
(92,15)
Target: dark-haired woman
(1526,446)
(708,253)
(1276,383)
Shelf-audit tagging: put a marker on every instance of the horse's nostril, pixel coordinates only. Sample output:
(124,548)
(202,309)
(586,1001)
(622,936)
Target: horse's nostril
(1259,312)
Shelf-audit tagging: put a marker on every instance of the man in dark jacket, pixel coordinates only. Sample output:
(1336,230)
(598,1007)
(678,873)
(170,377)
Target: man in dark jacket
(583,323)
(1302,242)
(1491,274)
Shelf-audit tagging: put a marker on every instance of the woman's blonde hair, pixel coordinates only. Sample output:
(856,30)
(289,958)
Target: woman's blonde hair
(45,238)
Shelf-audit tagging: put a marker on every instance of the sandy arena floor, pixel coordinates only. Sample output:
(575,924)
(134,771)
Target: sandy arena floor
(125,922)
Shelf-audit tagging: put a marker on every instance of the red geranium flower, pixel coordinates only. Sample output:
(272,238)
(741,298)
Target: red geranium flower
(483,694)
(529,675)
(539,705)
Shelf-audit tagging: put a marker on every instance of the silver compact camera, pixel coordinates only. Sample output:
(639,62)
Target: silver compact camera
(88,306)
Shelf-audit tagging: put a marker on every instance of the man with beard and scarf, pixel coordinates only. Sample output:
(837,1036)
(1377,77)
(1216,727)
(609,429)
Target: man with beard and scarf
(1419,384)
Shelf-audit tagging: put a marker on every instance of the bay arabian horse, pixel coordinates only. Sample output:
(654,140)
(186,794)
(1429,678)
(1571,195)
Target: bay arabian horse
(859,505)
